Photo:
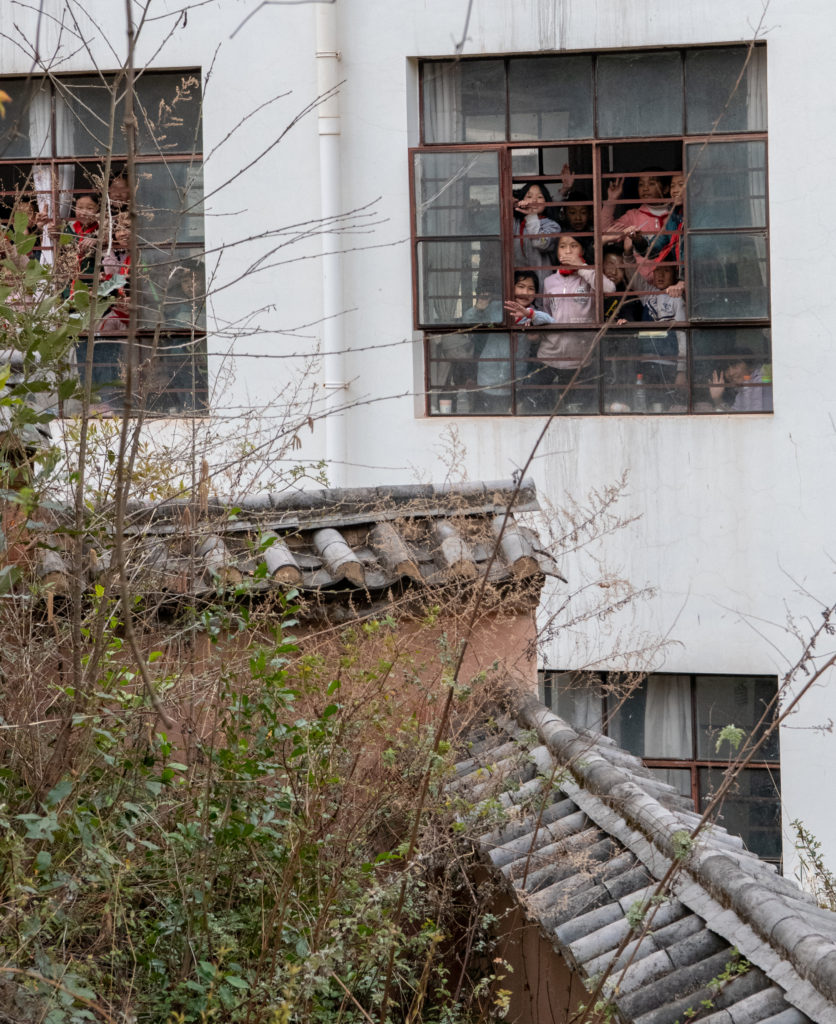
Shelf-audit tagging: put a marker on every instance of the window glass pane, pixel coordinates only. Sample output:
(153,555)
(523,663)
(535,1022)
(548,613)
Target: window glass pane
(679,778)
(452,276)
(579,699)
(550,97)
(172,289)
(710,77)
(169,113)
(645,371)
(732,370)
(626,714)
(563,375)
(170,201)
(168,110)
(177,377)
(525,161)
(728,276)
(733,700)
(752,808)
(464,101)
(727,185)
(454,369)
(639,94)
(495,370)
(83,116)
(172,378)
(25,131)
(457,193)
(656,720)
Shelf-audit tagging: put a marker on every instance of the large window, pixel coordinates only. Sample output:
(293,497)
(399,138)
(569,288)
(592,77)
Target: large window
(674,723)
(621,200)
(53,146)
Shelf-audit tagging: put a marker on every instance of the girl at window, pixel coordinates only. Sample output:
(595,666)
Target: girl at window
(571,298)
(534,234)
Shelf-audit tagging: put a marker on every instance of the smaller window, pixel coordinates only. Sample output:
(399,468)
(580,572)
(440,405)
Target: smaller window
(674,723)
(52,150)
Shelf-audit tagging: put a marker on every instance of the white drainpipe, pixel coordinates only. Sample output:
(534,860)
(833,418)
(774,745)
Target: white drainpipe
(333,344)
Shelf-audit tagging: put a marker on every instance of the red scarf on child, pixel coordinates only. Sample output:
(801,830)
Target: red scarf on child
(566,271)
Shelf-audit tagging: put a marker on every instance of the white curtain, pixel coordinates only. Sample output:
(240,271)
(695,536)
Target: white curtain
(53,184)
(667,717)
(442,103)
(756,90)
(580,706)
(40,121)
(63,145)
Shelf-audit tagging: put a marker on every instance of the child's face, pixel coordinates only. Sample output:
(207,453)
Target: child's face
(569,249)
(86,211)
(650,187)
(664,277)
(677,188)
(118,192)
(536,200)
(735,373)
(524,291)
(612,267)
(577,217)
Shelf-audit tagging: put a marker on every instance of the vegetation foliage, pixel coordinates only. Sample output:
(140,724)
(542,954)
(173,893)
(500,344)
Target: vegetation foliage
(256,875)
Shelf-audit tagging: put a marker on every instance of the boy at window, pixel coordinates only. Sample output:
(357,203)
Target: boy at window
(740,386)
(487,306)
(494,367)
(571,298)
(458,350)
(663,355)
(612,266)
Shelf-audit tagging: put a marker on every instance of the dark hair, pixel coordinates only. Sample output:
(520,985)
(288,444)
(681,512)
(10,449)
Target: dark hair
(664,265)
(88,195)
(661,175)
(743,355)
(576,198)
(527,275)
(522,192)
(486,281)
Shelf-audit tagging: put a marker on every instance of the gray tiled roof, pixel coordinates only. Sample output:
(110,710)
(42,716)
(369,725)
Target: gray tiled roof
(585,833)
(328,543)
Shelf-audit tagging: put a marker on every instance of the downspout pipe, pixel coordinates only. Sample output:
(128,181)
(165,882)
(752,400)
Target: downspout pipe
(333,329)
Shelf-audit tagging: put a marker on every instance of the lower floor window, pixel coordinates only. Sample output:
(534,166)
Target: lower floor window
(168,377)
(674,723)
(629,370)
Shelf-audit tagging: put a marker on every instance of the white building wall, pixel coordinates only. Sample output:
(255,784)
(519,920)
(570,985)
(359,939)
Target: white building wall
(734,527)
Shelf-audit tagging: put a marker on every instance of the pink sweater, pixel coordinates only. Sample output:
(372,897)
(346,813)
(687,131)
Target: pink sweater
(641,217)
(567,349)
